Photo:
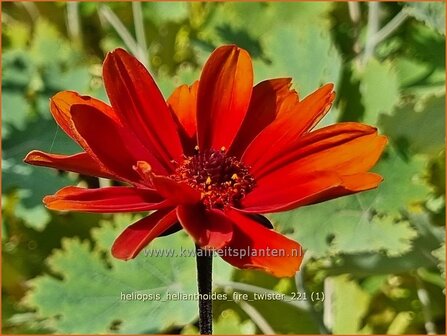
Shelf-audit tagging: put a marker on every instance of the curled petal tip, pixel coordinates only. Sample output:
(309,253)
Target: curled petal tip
(34,158)
(27,158)
(330,85)
(47,201)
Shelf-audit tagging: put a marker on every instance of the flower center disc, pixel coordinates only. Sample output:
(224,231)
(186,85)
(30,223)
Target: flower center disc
(223,180)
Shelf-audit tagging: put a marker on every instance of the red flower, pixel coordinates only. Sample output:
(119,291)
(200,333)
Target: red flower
(212,158)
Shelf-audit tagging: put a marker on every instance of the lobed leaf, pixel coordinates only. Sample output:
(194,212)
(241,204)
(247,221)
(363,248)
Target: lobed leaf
(94,290)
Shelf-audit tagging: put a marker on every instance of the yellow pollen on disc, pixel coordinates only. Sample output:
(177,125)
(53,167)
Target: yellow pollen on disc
(221,179)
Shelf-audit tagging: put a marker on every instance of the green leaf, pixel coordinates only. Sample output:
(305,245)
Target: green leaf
(35,217)
(302,13)
(379,234)
(413,74)
(18,71)
(379,88)
(349,305)
(418,128)
(311,58)
(244,17)
(232,23)
(422,44)
(17,34)
(18,68)
(33,183)
(49,48)
(402,185)
(76,79)
(440,255)
(95,289)
(345,226)
(437,176)
(15,111)
(431,13)
(165,11)
(366,264)
(229,323)
(400,323)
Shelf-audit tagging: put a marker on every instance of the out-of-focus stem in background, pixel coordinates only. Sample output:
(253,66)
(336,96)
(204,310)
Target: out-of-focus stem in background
(110,17)
(375,35)
(139,32)
(371,30)
(30,8)
(301,287)
(74,23)
(424,298)
(256,317)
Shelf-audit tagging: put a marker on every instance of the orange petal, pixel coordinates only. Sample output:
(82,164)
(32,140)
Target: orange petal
(282,194)
(294,120)
(361,182)
(175,192)
(264,249)
(183,104)
(141,106)
(312,109)
(61,103)
(352,184)
(224,95)
(111,143)
(288,189)
(209,228)
(338,137)
(355,156)
(138,235)
(265,105)
(105,200)
(343,152)
(80,163)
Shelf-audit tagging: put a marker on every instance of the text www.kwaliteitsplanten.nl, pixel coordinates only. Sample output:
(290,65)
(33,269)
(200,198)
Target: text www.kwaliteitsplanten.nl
(223,252)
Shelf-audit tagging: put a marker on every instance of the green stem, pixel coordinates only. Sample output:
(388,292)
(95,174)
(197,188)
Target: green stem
(204,280)
(301,287)
(256,317)
(391,26)
(74,23)
(371,30)
(139,32)
(424,298)
(108,14)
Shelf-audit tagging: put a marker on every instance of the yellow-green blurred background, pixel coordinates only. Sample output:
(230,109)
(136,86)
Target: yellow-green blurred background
(379,257)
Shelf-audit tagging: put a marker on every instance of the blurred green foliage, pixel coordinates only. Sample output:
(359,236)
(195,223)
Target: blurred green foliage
(379,256)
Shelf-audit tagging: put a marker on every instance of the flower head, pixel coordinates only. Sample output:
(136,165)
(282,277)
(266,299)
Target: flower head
(212,158)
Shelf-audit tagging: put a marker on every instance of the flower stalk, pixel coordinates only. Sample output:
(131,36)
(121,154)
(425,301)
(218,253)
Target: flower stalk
(204,261)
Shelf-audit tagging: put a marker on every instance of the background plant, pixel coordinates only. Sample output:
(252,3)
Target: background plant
(379,257)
